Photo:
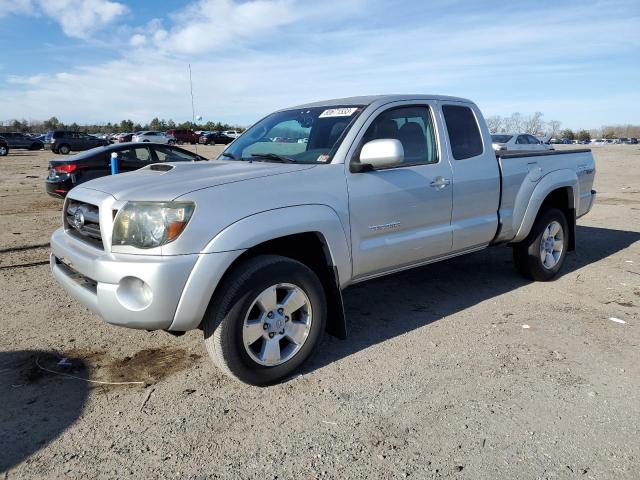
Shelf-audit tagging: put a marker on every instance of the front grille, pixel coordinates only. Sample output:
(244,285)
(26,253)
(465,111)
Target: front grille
(83,222)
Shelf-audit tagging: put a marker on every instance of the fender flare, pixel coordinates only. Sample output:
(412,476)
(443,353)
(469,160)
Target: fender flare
(285,221)
(227,246)
(563,178)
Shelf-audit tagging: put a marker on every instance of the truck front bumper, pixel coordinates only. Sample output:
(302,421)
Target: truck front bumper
(138,291)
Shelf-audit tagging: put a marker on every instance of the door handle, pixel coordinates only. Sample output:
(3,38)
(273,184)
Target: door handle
(440,182)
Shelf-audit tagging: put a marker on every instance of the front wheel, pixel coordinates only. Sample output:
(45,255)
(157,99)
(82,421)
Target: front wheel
(4,151)
(540,256)
(266,319)
(64,149)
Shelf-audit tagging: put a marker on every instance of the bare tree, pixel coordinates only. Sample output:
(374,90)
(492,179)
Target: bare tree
(553,127)
(513,124)
(495,123)
(533,124)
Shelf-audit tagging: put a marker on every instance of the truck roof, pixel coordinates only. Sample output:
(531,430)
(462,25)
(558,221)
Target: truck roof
(381,99)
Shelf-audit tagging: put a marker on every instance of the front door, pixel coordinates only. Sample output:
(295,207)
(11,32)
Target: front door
(401,215)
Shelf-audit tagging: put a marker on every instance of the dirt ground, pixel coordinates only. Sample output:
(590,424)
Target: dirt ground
(461,369)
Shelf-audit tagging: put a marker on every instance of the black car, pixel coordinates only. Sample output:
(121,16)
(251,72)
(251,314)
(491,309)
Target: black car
(95,163)
(21,140)
(215,137)
(65,141)
(4,147)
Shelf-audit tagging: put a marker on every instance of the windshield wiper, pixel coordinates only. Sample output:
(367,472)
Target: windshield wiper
(274,156)
(229,155)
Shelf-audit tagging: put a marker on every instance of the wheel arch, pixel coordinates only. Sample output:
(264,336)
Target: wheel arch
(311,234)
(559,190)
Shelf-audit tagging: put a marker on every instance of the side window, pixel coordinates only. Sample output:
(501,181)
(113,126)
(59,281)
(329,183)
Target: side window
(169,155)
(136,155)
(413,127)
(142,154)
(522,140)
(533,140)
(464,134)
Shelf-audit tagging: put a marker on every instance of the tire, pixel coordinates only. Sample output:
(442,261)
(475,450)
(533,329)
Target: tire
(171,142)
(528,254)
(4,151)
(64,149)
(236,304)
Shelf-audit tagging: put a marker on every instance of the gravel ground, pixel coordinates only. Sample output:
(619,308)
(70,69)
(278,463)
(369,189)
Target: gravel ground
(456,370)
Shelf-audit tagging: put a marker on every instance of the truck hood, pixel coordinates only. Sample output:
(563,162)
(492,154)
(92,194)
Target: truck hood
(167,181)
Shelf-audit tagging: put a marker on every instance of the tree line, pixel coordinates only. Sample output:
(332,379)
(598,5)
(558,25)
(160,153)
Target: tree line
(536,125)
(37,126)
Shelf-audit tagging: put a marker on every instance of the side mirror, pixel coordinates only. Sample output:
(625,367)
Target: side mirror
(383,153)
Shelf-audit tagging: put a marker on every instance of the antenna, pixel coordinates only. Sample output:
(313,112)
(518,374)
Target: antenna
(193,110)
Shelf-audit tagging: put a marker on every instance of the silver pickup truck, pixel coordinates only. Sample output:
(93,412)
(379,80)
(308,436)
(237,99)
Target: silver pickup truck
(255,247)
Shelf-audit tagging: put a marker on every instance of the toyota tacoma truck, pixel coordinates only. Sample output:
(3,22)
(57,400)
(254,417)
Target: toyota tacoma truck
(255,247)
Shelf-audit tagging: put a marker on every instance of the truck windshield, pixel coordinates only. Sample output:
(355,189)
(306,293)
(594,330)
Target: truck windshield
(309,135)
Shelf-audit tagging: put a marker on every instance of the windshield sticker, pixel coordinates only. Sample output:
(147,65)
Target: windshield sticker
(338,112)
(322,158)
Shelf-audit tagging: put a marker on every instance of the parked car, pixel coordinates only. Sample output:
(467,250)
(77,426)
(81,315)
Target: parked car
(153,136)
(256,253)
(518,142)
(65,141)
(18,140)
(215,138)
(4,147)
(124,138)
(95,163)
(184,136)
(232,133)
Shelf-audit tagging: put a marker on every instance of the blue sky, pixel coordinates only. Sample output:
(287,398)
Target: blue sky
(106,60)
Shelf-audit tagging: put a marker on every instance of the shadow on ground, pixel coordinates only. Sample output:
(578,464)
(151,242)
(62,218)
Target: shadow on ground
(384,308)
(36,406)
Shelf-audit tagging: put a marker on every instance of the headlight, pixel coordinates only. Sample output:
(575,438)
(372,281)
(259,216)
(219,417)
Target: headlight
(150,224)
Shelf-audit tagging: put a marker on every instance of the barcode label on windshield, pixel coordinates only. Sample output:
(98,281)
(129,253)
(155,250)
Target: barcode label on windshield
(338,112)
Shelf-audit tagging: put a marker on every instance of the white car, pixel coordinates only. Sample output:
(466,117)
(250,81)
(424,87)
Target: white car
(231,133)
(153,136)
(518,142)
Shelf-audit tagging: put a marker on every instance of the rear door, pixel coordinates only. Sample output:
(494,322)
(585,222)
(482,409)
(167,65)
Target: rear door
(521,143)
(535,144)
(476,177)
(402,215)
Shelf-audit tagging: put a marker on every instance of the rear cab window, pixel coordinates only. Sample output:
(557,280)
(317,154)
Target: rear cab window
(464,134)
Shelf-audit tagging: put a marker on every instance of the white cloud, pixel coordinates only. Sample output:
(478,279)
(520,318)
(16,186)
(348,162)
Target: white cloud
(138,40)
(81,18)
(78,18)
(208,24)
(21,7)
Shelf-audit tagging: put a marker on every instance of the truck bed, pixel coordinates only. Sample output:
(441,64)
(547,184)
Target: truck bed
(522,172)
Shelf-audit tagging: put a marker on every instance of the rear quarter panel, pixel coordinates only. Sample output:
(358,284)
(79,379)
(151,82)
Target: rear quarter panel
(527,180)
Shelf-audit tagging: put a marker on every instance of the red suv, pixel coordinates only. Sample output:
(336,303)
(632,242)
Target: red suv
(184,136)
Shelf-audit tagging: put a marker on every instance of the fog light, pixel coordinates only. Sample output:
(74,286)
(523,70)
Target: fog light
(134,294)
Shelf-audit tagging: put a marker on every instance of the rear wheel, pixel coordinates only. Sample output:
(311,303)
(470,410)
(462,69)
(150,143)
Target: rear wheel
(541,255)
(266,319)
(4,151)
(64,149)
